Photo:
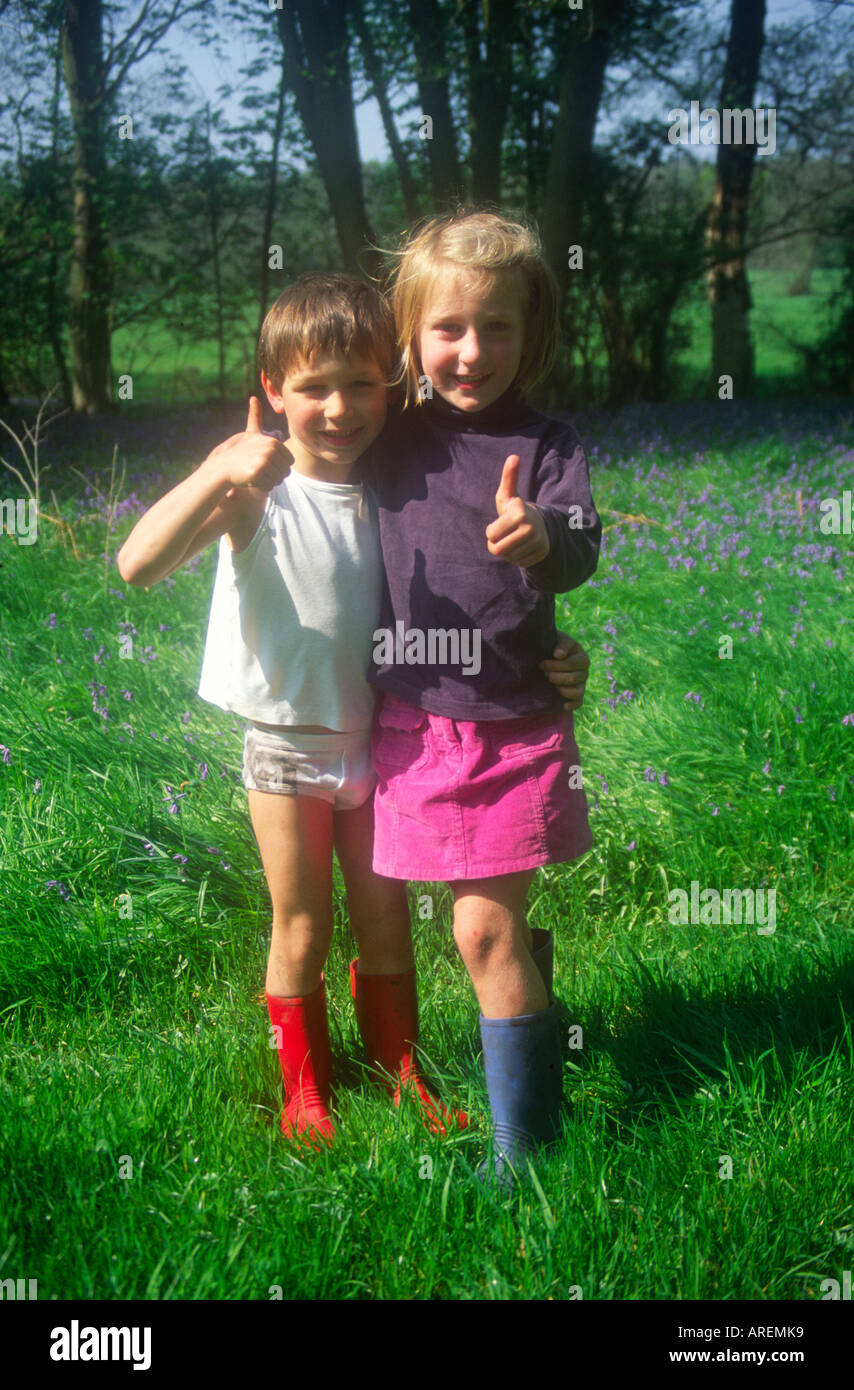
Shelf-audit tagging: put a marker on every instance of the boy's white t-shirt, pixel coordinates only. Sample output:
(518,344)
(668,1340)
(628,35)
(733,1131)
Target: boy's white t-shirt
(293,615)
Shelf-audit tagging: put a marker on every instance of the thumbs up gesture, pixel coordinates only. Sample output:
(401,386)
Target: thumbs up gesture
(519,533)
(253,459)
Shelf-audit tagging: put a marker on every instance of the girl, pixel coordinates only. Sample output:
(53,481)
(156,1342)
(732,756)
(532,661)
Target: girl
(485,513)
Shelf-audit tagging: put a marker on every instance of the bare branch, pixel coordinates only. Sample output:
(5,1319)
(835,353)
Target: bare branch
(146,42)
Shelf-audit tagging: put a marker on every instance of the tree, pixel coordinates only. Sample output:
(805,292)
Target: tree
(729,292)
(379,89)
(90,280)
(490,32)
(34,195)
(586,53)
(94,75)
(315,44)
(427,25)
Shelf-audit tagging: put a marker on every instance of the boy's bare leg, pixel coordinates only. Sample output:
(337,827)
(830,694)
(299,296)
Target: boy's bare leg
(294,835)
(387,1008)
(378,907)
(494,941)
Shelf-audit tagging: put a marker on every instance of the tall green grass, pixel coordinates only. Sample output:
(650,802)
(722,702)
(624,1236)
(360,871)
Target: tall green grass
(139,1096)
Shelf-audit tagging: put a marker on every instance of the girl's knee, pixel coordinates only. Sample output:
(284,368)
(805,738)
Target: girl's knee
(483,929)
(477,939)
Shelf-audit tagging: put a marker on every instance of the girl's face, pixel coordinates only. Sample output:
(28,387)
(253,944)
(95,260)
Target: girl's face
(470,342)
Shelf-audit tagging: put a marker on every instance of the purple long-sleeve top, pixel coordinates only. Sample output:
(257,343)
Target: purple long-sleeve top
(462,630)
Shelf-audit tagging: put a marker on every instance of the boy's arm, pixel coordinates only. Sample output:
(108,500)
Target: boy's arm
(224,495)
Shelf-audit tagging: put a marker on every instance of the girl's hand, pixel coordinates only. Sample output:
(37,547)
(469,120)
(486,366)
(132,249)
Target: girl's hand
(253,459)
(567,670)
(519,535)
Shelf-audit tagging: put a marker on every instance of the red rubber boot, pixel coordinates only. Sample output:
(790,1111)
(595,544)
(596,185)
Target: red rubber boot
(302,1038)
(387,1015)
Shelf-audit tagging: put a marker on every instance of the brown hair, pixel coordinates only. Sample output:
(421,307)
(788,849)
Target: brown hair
(488,245)
(326,314)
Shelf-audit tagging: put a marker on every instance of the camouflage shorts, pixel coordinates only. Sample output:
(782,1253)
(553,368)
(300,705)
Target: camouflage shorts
(336,767)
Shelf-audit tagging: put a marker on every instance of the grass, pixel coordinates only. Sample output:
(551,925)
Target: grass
(140,1098)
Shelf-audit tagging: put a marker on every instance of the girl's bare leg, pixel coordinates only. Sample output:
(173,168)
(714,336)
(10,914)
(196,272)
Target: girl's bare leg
(494,940)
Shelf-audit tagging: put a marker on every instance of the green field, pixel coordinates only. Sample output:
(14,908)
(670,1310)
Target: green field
(709,1108)
(175,368)
(779,325)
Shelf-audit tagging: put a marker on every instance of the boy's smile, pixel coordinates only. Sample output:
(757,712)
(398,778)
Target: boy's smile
(335,407)
(470,343)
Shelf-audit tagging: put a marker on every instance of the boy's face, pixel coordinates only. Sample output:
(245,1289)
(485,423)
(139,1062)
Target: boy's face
(335,407)
(470,342)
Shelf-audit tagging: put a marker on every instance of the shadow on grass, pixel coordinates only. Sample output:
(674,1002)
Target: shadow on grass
(685,1035)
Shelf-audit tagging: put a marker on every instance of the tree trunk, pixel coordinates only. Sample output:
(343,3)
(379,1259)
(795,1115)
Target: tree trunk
(90,280)
(490,76)
(270,209)
(374,71)
(800,285)
(431,69)
(588,49)
(729,292)
(213,226)
(54,328)
(315,46)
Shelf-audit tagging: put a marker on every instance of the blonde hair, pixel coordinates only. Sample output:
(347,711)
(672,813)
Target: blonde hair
(328,314)
(489,245)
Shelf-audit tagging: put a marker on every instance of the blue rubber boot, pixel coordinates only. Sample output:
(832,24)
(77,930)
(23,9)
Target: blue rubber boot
(522,1061)
(543,955)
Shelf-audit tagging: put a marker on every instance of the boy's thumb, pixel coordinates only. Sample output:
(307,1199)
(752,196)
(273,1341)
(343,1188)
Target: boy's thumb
(255,418)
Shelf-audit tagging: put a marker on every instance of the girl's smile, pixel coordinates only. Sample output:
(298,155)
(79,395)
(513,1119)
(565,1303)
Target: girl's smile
(470,343)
